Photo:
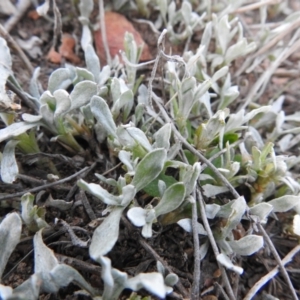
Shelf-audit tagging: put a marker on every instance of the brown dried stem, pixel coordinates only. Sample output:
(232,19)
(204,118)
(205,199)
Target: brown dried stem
(197,259)
(278,260)
(49,185)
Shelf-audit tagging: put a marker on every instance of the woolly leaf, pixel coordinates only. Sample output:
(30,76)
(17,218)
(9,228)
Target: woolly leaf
(9,166)
(10,233)
(106,234)
(149,168)
(247,245)
(172,198)
(103,115)
(284,203)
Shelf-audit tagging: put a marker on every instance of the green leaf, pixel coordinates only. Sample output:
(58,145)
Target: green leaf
(172,198)
(28,143)
(152,188)
(230,137)
(33,216)
(149,168)
(182,212)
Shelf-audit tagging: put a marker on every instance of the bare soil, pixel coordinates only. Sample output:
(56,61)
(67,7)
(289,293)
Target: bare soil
(171,243)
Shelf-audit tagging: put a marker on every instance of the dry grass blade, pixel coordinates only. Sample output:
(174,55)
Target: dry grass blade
(49,185)
(265,279)
(260,85)
(255,6)
(214,245)
(279,261)
(13,44)
(197,259)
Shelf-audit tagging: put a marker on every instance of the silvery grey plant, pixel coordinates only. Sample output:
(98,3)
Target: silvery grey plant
(147,146)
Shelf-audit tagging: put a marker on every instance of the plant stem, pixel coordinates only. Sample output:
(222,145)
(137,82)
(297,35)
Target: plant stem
(46,186)
(214,244)
(264,280)
(197,259)
(278,260)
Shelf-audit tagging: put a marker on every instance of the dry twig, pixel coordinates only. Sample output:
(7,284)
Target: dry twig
(264,280)
(255,6)
(214,245)
(197,260)
(260,85)
(82,197)
(13,44)
(22,96)
(278,260)
(49,185)
(21,9)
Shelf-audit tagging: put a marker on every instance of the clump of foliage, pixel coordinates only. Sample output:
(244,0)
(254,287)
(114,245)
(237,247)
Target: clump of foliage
(197,131)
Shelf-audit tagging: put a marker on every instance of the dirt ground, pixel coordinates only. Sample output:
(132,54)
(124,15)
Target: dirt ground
(130,254)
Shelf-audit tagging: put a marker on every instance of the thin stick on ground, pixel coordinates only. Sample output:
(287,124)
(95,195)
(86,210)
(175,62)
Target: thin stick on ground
(63,158)
(222,291)
(278,260)
(159,46)
(197,260)
(22,96)
(265,279)
(49,185)
(255,6)
(279,37)
(13,44)
(214,244)
(260,85)
(57,30)
(78,264)
(21,8)
(81,196)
